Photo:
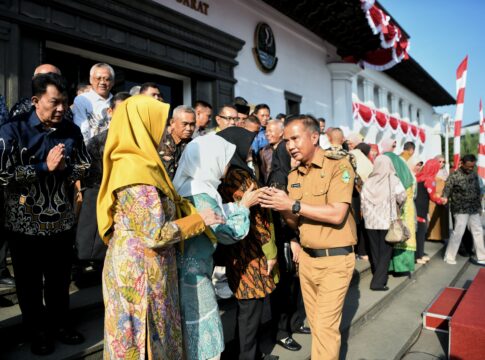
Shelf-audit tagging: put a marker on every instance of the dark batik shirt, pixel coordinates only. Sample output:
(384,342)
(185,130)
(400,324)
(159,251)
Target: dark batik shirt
(170,150)
(463,192)
(95,149)
(3,110)
(38,202)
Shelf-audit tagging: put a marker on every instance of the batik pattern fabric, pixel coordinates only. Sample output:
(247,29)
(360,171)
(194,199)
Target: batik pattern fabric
(403,253)
(39,201)
(202,326)
(3,111)
(170,151)
(142,316)
(246,261)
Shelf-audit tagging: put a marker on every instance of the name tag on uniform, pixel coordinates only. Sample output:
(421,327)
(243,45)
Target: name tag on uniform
(296,186)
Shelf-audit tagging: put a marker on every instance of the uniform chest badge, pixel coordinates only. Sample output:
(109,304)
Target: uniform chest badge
(345,177)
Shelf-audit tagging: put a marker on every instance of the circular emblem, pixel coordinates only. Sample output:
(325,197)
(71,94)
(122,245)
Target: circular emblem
(265,47)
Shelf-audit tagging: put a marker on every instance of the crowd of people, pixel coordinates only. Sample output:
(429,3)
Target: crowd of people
(272,211)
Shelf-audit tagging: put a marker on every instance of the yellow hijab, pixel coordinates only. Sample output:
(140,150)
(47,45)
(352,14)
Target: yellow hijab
(131,157)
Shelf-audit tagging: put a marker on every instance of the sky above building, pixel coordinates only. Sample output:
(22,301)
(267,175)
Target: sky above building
(442,33)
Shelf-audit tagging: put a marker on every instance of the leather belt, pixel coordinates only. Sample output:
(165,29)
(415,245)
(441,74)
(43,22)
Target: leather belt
(315,253)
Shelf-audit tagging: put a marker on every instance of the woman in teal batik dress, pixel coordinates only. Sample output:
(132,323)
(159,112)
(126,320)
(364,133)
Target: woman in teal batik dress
(199,171)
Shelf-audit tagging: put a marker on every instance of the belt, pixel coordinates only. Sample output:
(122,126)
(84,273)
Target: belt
(314,253)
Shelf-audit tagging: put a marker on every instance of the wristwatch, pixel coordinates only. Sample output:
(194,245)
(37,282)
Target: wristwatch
(295,209)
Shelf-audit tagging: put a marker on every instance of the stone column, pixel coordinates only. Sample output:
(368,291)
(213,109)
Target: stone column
(394,106)
(382,93)
(405,110)
(368,92)
(342,76)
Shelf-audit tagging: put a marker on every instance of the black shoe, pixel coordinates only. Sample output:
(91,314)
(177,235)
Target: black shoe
(289,344)
(303,330)
(7,282)
(42,344)
(270,357)
(69,336)
(382,288)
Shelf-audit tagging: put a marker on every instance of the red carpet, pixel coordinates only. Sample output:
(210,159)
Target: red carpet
(467,326)
(442,308)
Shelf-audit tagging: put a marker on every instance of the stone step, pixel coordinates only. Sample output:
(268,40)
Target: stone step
(362,304)
(388,333)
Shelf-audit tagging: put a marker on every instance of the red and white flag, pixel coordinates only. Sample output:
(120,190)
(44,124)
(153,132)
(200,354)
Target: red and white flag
(481,145)
(460,101)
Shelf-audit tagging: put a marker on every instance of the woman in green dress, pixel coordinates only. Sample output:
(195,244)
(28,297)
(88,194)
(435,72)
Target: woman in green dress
(403,254)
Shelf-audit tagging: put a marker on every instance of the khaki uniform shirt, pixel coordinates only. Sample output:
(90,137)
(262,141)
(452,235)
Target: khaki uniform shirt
(324,181)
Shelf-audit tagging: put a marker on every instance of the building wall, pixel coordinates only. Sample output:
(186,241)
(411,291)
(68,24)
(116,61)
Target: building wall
(367,86)
(302,56)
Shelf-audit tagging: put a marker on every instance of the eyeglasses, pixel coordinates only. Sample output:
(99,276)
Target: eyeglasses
(229,118)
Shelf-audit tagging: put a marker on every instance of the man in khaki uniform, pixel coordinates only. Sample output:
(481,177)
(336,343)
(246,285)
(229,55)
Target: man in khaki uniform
(318,204)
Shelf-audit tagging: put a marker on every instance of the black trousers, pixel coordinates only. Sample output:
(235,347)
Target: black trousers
(380,256)
(287,306)
(253,322)
(421,230)
(42,266)
(3,253)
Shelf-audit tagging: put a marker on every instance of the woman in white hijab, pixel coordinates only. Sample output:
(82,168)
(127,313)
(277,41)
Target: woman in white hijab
(381,196)
(203,163)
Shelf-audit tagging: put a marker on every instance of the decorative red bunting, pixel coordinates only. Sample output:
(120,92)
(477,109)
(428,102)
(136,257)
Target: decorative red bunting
(381,119)
(393,123)
(404,127)
(365,113)
(414,130)
(394,44)
(422,135)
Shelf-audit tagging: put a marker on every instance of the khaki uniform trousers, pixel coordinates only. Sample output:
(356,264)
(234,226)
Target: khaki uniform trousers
(324,284)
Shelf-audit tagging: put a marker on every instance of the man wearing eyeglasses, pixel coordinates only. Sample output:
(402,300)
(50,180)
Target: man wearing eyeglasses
(91,108)
(226,117)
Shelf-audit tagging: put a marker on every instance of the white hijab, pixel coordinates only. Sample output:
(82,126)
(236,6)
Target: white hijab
(202,166)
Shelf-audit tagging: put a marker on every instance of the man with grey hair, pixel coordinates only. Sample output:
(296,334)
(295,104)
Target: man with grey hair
(90,109)
(274,135)
(182,126)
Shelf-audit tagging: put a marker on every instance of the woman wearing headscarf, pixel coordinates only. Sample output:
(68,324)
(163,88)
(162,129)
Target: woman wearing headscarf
(426,191)
(201,167)
(140,216)
(381,197)
(403,255)
(250,262)
(363,170)
(438,227)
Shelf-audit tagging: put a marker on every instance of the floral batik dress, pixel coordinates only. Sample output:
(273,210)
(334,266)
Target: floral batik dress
(203,335)
(142,317)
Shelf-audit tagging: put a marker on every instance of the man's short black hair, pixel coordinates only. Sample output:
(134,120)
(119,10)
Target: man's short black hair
(469,158)
(259,107)
(226,106)
(144,87)
(252,119)
(119,96)
(40,83)
(202,103)
(409,145)
(309,122)
(280,116)
(320,119)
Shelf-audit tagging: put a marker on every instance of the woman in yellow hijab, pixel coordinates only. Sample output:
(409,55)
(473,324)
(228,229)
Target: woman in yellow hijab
(140,218)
